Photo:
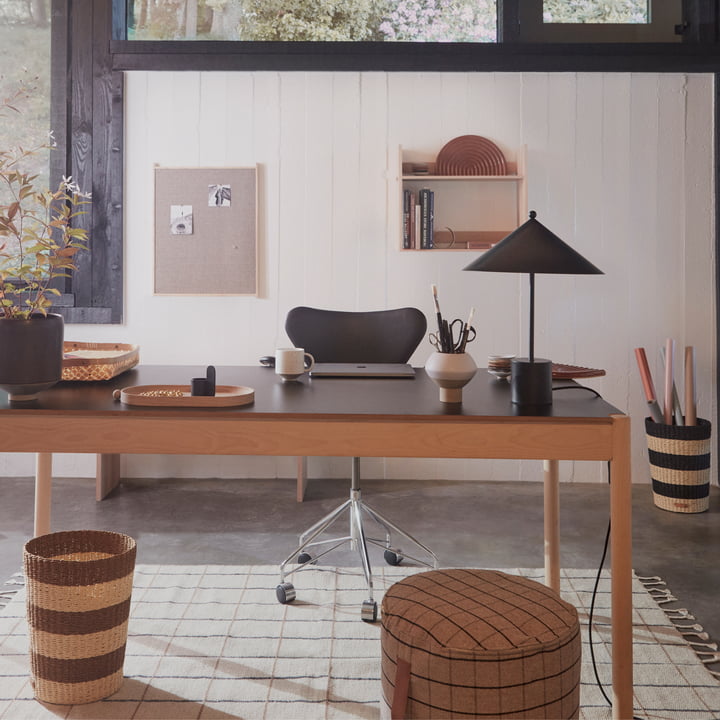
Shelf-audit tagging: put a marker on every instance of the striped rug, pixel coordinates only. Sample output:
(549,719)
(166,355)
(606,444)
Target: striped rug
(211,642)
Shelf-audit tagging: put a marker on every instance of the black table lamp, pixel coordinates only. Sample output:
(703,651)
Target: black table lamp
(532,248)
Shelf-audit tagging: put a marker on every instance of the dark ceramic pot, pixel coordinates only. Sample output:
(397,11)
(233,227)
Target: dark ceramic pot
(31,355)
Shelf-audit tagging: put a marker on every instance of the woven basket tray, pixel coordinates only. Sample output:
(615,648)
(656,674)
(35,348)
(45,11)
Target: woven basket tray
(97,361)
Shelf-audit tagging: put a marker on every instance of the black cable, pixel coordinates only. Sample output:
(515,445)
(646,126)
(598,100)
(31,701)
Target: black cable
(577,387)
(600,567)
(592,611)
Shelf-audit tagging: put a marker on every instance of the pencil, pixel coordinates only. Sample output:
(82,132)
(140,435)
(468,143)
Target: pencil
(466,331)
(669,356)
(690,389)
(648,385)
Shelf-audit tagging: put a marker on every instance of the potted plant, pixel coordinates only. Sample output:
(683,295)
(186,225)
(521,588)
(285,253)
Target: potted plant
(38,244)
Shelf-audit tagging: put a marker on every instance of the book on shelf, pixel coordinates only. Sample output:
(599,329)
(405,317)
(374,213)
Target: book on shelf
(407,225)
(426,199)
(416,223)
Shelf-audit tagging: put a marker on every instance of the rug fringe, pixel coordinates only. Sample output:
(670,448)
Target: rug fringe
(659,591)
(15,581)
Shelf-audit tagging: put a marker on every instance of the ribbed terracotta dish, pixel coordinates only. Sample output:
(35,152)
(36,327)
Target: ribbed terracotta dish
(470,155)
(568,372)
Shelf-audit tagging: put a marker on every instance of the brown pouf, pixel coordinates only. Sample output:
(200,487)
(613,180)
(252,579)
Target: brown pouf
(468,643)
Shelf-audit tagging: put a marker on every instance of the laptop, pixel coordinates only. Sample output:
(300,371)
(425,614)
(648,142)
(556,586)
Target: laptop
(363,370)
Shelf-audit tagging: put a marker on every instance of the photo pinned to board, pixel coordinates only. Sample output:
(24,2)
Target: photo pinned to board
(181,220)
(219,195)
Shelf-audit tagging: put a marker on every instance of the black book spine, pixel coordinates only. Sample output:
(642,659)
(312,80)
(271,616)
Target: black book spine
(431,220)
(407,242)
(424,217)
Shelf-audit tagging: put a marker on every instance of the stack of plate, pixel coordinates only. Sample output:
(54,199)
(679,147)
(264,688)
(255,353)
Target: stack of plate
(499,365)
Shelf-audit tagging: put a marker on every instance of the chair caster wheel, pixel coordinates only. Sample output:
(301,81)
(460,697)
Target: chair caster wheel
(304,557)
(369,611)
(285,592)
(392,558)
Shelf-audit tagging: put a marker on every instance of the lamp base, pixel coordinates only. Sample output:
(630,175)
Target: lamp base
(531,381)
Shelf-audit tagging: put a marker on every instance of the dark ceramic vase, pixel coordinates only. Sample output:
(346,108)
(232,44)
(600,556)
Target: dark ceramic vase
(31,355)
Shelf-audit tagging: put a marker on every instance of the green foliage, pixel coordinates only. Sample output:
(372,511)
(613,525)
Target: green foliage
(38,240)
(309,20)
(595,11)
(32,44)
(317,20)
(440,21)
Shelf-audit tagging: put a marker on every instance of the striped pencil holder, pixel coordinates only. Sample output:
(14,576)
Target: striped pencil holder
(79,585)
(680,465)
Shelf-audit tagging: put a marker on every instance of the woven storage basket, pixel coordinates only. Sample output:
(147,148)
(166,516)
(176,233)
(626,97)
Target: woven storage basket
(679,458)
(79,585)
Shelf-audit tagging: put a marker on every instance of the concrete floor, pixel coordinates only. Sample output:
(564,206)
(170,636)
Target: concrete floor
(483,524)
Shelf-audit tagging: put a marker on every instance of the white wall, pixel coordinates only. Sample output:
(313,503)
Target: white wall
(619,165)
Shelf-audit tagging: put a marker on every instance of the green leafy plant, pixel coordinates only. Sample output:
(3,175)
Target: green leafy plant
(38,236)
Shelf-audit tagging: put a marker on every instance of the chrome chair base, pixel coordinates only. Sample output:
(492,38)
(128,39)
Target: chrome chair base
(357,539)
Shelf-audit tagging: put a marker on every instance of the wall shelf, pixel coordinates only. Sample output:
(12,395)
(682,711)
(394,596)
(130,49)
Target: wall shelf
(471,212)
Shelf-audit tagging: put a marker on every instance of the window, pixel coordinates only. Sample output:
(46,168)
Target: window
(313,20)
(91,52)
(25,31)
(600,21)
(628,12)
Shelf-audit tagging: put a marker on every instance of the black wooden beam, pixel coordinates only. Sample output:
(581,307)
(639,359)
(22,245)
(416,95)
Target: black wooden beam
(87,123)
(420,57)
(107,171)
(716,157)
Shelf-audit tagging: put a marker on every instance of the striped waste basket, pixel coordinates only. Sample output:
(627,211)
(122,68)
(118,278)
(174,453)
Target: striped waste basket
(679,458)
(79,585)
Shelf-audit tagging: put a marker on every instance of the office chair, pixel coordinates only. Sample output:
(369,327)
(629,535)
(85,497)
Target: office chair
(381,336)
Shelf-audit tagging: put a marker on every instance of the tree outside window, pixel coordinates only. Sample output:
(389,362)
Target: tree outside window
(25,33)
(595,11)
(314,20)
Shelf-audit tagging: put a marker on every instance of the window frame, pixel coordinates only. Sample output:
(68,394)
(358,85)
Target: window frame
(89,61)
(665,17)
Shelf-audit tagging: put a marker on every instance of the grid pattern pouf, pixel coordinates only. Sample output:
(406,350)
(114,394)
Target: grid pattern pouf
(468,643)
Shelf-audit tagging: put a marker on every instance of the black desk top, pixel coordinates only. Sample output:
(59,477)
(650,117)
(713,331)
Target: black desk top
(484,396)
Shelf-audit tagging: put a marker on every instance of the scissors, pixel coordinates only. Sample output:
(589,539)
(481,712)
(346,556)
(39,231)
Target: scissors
(436,341)
(454,344)
(461,336)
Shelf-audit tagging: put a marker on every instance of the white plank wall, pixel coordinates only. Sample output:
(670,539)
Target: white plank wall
(619,165)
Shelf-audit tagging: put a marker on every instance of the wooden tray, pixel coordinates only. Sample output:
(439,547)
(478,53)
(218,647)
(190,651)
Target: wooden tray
(569,372)
(179,396)
(97,361)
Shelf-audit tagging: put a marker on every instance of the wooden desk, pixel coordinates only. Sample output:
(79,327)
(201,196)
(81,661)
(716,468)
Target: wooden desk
(349,417)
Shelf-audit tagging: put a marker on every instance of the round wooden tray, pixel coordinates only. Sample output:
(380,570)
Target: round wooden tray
(179,396)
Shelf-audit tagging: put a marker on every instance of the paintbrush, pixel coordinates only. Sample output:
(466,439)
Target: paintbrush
(438,314)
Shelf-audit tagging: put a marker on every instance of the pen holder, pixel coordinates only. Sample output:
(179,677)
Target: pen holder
(679,458)
(451,372)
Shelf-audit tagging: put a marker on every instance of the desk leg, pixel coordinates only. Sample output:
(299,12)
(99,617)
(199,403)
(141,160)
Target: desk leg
(301,484)
(552,524)
(621,569)
(43,492)
(107,475)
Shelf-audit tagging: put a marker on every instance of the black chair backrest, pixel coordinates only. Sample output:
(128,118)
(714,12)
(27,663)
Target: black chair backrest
(377,336)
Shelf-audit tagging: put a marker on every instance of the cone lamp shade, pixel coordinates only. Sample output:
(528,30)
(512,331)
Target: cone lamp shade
(532,249)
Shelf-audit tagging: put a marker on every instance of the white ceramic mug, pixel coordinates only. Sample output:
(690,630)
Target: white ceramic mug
(291,363)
